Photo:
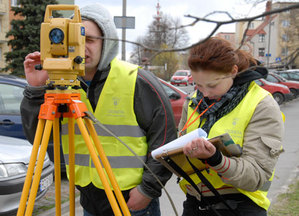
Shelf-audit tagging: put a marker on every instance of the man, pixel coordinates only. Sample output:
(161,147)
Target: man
(138,94)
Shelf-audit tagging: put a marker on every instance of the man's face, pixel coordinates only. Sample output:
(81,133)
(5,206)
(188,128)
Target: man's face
(93,46)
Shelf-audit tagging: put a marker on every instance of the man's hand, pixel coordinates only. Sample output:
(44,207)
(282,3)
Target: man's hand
(199,148)
(34,77)
(137,201)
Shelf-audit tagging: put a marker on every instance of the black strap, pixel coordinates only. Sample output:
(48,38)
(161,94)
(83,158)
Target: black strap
(211,187)
(185,176)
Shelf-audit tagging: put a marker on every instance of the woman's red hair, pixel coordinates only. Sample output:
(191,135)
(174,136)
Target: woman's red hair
(218,55)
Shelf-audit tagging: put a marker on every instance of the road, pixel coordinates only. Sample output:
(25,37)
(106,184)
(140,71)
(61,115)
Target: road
(287,168)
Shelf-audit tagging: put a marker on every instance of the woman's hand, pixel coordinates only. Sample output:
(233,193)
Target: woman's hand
(199,148)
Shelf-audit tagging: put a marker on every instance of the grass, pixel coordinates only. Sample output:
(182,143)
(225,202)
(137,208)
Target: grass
(287,204)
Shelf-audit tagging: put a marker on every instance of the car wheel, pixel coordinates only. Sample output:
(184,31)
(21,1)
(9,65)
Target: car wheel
(294,92)
(278,97)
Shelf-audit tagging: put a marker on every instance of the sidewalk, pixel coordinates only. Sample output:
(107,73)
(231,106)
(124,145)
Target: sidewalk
(46,205)
(166,209)
(65,209)
(287,170)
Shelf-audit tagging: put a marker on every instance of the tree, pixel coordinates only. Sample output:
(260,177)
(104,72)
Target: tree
(24,36)
(167,61)
(290,38)
(162,33)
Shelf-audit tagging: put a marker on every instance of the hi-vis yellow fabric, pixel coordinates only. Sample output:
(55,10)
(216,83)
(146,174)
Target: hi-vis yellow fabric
(235,124)
(115,110)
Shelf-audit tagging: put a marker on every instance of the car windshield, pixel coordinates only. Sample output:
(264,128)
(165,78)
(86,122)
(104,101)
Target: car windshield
(181,73)
(267,82)
(282,78)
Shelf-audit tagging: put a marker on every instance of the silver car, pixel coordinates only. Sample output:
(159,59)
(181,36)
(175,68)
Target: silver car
(14,160)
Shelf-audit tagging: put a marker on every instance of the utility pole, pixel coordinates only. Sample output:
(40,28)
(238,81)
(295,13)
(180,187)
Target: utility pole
(269,37)
(123,22)
(123,47)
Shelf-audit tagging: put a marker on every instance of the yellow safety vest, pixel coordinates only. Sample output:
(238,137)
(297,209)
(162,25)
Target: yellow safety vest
(235,124)
(115,110)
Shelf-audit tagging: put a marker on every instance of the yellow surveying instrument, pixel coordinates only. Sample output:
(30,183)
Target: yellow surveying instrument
(62,55)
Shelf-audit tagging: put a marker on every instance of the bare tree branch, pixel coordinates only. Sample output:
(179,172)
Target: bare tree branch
(218,24)
(157,51)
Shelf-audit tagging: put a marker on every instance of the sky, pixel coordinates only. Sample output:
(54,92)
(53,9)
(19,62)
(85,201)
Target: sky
(144,10)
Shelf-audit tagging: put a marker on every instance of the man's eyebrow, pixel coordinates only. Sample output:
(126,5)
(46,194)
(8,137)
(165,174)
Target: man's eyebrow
(94,37)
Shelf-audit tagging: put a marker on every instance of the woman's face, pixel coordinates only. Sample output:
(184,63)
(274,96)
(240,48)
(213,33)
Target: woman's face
(213,84)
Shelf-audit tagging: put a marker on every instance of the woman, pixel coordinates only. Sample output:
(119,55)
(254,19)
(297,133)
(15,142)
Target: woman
(229,101)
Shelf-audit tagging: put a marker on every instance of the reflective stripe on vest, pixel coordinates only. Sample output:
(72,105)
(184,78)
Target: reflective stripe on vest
(115,162)
(115,110)
(118,130)
(235,124)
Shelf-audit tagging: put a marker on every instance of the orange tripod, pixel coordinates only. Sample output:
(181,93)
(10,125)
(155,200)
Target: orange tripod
(49,118)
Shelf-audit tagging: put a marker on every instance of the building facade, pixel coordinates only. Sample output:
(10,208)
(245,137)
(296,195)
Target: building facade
(6,16)
(229,36)
(4,28)
(273,40)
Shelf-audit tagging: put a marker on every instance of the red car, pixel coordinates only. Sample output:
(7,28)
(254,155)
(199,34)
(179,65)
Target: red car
(177,98)
(182,77)
(281,93)
(292,85)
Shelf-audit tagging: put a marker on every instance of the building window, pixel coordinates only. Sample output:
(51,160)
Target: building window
(285,37)
(261,38)
(261,52)
(227,37)
(285,23)
(284,51)
(14,3)
(251,26)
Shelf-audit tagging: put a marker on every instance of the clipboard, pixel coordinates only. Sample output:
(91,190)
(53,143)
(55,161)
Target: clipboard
(223,143)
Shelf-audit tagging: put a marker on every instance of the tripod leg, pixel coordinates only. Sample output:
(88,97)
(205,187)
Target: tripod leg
(56,144)
(28,180)
(107,166)
(71,131)
(39,167)
(98,166)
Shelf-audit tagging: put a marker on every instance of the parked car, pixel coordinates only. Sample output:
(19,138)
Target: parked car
(182,77)
(11,94)
(296,71)
(177,98)
(289,75)
(281,93)
(292,85)
(14,160)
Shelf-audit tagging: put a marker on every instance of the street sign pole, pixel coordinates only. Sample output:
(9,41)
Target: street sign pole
(123,48)
(123,22)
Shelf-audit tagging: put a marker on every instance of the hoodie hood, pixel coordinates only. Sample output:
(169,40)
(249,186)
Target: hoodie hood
(103,19)
(250,75)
